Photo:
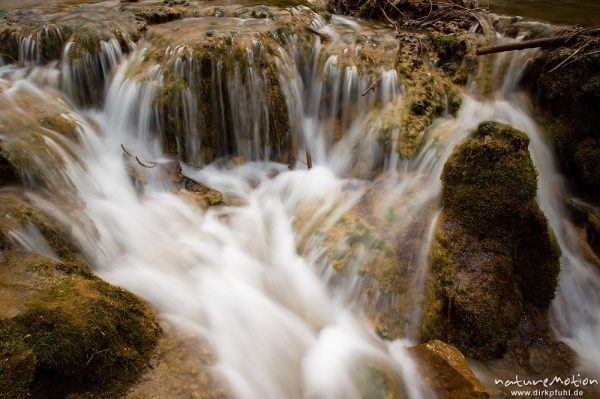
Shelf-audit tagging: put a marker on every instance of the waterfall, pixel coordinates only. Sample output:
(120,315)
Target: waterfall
(254,279)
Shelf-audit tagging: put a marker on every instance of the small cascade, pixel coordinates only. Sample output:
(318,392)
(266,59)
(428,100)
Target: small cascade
(87,63)
(38,47)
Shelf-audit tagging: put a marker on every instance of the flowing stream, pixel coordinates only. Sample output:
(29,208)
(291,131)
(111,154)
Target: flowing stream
(251,279)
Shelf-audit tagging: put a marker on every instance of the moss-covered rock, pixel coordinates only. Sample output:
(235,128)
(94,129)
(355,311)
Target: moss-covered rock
(569,95)
(428,94)
(78,333)
(493,250)
(87,334)
(447,372)
(450,48)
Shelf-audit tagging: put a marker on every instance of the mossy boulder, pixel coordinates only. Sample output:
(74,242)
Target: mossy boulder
(447,372)
(63,330)
(87,334)
(450,48)
(569,96)
(493,250)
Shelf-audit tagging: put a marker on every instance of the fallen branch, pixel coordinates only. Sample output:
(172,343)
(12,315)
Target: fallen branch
(543,43)
(547,42)
(372,86)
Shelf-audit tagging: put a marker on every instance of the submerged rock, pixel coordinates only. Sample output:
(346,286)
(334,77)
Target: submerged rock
(493,251)
(447,372)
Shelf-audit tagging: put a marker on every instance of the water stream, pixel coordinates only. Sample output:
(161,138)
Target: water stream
(252,279)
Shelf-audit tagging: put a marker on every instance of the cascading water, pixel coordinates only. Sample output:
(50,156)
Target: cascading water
(280,321)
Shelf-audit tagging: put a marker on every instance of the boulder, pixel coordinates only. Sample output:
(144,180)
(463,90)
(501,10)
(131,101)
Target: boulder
(63,330)
(447,372)
(493,251)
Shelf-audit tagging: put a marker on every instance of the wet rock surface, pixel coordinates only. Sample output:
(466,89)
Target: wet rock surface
(447,371)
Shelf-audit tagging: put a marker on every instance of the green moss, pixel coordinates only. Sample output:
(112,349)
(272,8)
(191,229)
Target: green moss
(586,157)
(448,47)
(490,178)
(17,362)
(493,250)
(87,335)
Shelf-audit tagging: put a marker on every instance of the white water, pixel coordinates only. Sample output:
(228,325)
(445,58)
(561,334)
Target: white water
(233,275)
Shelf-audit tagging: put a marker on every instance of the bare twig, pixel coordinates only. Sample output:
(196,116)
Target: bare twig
(429,13)
(308,157)
(125,151)
(151,164)
(391,21)
(568,58)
